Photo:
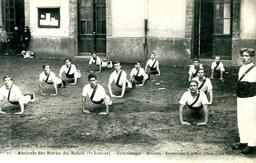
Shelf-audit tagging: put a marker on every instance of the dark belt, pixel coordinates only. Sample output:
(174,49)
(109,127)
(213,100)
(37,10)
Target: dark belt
(98,102)
(138,78)
(70,76)
(120,86)
(195,108)
(14,102)
(246,89)
(152,68)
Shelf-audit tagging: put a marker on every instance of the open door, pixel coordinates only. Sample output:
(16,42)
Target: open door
(212,29)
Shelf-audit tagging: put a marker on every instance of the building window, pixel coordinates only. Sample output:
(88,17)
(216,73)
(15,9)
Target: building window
(48,17)
(222,17)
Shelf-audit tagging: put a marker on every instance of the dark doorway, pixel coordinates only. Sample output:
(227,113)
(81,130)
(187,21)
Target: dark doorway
(92,26)
(203,28)
(13,14)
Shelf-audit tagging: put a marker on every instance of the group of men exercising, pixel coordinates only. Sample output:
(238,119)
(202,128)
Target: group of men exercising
(198,96)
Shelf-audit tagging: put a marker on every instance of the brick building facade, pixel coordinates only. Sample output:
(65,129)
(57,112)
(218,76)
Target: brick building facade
(128,30)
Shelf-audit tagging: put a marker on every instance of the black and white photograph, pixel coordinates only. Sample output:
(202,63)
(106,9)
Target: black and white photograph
(148,80)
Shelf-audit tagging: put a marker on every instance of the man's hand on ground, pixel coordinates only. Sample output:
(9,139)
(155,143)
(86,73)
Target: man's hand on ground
(86,112)
(201,124)
(185,123)
(2,112)
(103,113)
(18,113)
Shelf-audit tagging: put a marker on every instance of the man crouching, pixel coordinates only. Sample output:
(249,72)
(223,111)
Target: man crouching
(196,101)
(12,93)
(96,93)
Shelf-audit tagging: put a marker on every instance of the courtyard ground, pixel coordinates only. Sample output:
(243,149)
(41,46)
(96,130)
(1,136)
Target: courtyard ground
(145,121)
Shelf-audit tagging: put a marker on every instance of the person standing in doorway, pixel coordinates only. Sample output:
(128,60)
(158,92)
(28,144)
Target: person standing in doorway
(16,40)
(26,37)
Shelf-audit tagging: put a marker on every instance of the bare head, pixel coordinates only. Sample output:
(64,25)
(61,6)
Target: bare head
(247,55)
(67,62)
(152,55)
(92,78)
(7,81)
(47,68)
(117,66)
(193,86)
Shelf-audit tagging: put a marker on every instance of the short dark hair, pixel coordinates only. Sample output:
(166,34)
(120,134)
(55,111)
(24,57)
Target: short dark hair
(193,81)
(46,65)
(7,77)
(67,59)
(195,59)
(250,51)
(116,62)
(92,76)
(93,52)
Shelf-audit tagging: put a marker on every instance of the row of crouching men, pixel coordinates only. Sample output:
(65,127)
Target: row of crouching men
(197,97)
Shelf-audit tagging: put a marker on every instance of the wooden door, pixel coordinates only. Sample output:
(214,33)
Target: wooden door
(92,26)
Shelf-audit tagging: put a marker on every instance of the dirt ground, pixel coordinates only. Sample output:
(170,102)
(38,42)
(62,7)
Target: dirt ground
(145,121)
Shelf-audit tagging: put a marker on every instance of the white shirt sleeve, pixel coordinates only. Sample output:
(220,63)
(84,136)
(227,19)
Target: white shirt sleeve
(91,61)
(183,99)
(111,78)
(62,69)
(142,72)
(41,77)
(203,97)
(191,69)
(209,84)
(133,72)
(213,65)
(85,92)
(1,93)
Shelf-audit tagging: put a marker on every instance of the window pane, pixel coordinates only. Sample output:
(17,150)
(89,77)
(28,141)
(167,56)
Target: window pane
(83,27)
(219,26)
(227,7)
(219,10)
(226,26)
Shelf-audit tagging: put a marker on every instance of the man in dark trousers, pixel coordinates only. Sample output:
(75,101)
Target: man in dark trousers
(16,40)
(26,37)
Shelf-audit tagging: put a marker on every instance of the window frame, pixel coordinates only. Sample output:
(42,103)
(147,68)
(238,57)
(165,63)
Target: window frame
(53,11)
(222,2)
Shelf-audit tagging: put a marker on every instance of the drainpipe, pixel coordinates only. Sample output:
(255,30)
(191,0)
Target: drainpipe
(146,28)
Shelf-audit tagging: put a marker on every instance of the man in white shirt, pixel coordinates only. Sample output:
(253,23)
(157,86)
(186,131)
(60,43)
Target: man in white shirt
(195,100)
(204,84)
(193,69)
(152,65)
(68,71)
(98,62)
(138,75)
(246,102)
(96,93)
(119,77)
(218,66)
(49,77)
(12,93)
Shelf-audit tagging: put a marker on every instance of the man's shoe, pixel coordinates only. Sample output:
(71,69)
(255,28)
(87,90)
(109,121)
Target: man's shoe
(33,97)
(239,146)
(248,150)
(64,84)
